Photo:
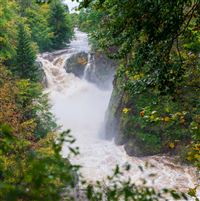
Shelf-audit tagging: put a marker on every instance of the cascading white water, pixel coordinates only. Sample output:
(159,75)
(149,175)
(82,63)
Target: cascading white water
(80,106)
(90,67)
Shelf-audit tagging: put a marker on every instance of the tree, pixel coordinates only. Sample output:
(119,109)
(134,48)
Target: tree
(23,5)
(157,82)
(41,33)
(25,66)
(7,30)
(145,33)
(60,24)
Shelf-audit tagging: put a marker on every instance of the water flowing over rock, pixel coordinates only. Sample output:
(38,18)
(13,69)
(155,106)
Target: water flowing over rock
(76,64)
(94,67)
(81,105)
(100,70)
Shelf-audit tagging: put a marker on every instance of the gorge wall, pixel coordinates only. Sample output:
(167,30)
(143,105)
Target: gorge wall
(149,123)
(95,67)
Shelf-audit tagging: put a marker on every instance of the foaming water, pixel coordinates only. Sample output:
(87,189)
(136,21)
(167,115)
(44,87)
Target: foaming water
(80,106)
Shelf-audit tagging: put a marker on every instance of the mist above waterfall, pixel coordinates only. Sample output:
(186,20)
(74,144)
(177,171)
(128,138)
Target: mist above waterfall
(81,106)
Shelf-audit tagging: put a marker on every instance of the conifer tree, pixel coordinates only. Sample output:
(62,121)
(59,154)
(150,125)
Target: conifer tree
(7,30)
(25,66)
(60,24)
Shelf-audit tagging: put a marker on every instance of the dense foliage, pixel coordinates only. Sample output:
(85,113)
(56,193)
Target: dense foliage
(7,29)
(37,17)
(25,66)
(157,42)
(61,26)
(156,96)
(31,167)
(40,18)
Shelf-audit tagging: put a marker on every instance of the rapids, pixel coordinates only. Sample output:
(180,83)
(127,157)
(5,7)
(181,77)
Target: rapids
(80,106)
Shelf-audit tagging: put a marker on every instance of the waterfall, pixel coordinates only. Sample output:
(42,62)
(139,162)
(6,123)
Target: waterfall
(80,106)
(90,73)
(88,66)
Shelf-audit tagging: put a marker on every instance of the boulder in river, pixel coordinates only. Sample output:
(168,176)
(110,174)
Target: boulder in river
(76,64)
(95,67)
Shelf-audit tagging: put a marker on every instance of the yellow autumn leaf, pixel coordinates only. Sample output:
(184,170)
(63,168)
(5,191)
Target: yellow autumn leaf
(171,145)
(136,77)
(166,119)
(152,117)
(125,110)
(189,158)
(196,147)
(197,156)
(182,121)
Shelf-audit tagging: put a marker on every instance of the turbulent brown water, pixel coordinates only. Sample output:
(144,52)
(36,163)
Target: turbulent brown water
(80,106)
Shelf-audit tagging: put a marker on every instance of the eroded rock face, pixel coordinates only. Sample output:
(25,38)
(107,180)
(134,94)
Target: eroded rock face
(125,126)
(102,70)
(95,67)
(76,64)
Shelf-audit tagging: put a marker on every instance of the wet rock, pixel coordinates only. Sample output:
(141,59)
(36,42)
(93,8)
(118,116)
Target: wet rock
(135,147)
(102,70)
(76,64)
(49,57)
(132,149)
(126,128)
(113,114)
(95,67)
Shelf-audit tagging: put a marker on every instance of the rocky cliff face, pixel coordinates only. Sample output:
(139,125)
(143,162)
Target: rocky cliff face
(124,123)
(101,70)
(94,67)
(148,123)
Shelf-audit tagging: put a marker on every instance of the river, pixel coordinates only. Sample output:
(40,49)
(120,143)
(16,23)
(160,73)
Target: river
(80,106)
